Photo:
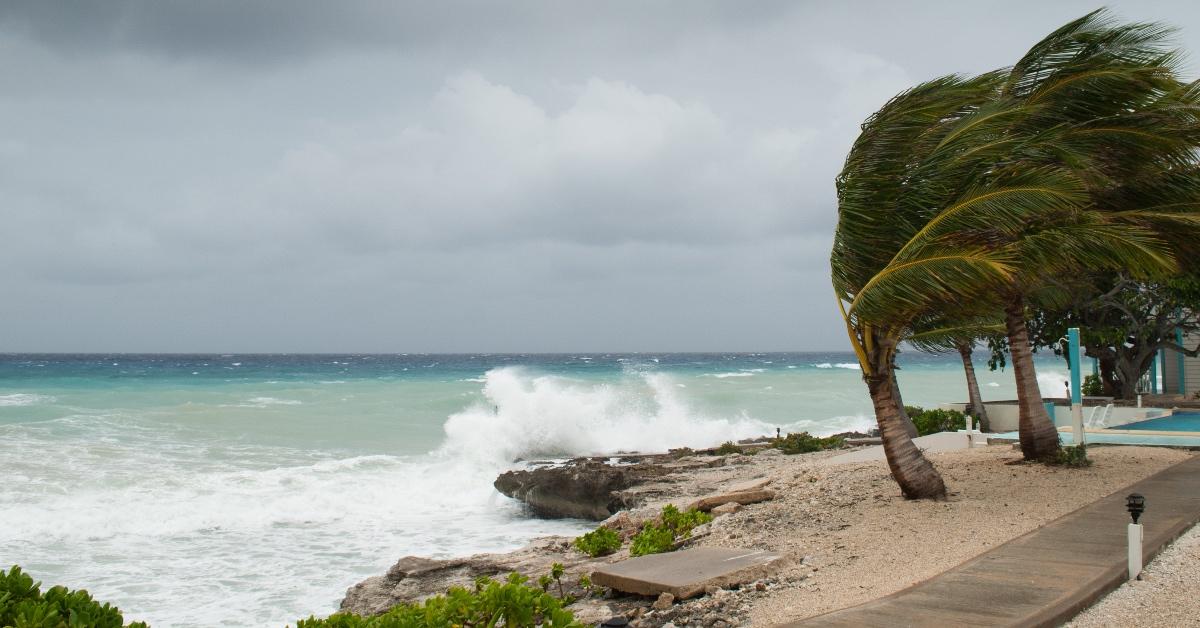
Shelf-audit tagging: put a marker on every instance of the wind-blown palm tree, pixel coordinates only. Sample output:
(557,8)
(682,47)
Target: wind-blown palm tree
(1104,102)
(967,191)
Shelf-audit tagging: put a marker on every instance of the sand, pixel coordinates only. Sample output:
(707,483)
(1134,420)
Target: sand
(853,538)
(1166,595)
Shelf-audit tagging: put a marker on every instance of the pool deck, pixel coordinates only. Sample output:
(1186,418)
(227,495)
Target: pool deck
(1116,436)
(1046,576)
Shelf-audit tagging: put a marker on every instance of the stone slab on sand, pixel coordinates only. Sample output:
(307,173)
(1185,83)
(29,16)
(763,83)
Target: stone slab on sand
(744,498)
(687,573)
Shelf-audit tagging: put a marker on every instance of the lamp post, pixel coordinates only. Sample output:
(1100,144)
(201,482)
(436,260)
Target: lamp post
(1076,388)
(1135,503)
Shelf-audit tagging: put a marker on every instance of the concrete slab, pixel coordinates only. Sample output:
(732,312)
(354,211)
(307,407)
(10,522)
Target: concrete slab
(1046,576)
(687,573)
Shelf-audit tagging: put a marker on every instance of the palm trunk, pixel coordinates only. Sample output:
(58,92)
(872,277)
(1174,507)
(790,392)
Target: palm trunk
(917,477)
(1039,439)
(909,426)
(977,408)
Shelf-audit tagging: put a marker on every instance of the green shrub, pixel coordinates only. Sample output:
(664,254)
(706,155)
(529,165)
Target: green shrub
(491,603)
(673,525)
(1092,386)
(22,604)
(804,443)
(937,420)
(681,524)
(728,447)
(652,540)
(1073,457)
(599,542)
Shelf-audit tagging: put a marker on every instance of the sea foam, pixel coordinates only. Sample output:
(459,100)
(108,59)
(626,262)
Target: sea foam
(530,416)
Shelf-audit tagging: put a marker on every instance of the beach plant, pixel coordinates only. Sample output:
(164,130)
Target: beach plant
(653,539)
(1073,457)
(804,443)
(1092,386)
(673,525)
(728,447)
(958,333)
(490,603)
(599,542)
(937,420)
(23,604)
(964,194)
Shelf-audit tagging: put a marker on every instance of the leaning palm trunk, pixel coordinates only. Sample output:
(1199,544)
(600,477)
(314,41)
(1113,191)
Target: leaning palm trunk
(1039,439)
(976,408)
(906,420)
(911,470)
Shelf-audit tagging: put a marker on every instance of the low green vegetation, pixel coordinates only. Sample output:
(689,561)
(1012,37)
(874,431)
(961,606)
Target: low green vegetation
(1092,386)
(491,603)
(804,443)
(673,525)
(24,605)
(728,447)
(599,542)
(936,420)
(1073,457)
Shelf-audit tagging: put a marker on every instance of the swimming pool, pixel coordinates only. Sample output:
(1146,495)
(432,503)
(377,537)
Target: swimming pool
(1178,422)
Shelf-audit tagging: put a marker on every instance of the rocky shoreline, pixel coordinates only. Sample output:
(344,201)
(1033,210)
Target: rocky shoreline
(847,533)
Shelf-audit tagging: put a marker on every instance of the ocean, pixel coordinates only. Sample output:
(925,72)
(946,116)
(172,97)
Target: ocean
(252,490)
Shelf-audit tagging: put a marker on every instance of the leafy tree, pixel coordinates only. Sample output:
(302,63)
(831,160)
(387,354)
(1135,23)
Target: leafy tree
(1123,323)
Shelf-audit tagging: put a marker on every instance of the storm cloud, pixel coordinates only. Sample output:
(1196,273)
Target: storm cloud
(371,176)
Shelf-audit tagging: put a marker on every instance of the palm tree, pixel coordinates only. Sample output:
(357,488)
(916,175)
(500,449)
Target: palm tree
(973,190)
(885,198)
(943,335)
(1104,102)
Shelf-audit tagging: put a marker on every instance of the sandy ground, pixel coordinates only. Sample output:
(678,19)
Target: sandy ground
(1166,595)
(853,538)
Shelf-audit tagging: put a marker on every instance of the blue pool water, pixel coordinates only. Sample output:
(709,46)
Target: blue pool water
(1179,422)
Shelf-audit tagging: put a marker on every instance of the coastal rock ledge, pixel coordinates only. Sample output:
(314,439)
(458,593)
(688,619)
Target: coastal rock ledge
(582,489)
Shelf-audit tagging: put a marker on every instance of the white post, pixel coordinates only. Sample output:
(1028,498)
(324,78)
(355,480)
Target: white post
(1135,550)
(1139,400)
(1077,423)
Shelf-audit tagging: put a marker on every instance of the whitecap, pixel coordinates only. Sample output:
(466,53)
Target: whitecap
(527,416)
(725,375)
(25,399)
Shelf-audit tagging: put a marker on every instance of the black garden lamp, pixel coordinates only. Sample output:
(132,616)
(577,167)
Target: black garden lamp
(1136,505)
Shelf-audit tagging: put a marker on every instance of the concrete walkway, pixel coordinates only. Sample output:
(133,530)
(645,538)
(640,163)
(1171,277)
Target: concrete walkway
(1046,576)
(933,443)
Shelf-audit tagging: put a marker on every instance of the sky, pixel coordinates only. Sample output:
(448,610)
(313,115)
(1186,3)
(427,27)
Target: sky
(314,176)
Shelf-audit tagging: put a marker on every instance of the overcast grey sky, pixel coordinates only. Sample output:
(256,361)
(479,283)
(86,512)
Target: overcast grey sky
(387,176)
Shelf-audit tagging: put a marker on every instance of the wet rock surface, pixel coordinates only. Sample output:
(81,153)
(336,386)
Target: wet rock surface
(582,489)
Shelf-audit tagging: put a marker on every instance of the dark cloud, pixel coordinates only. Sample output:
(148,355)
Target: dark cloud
(238,176)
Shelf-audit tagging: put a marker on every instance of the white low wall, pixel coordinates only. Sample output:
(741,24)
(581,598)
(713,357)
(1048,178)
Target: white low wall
(1005,417)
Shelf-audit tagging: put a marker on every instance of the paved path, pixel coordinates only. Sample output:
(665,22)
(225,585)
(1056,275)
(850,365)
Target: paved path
(1046,576)
(942,441)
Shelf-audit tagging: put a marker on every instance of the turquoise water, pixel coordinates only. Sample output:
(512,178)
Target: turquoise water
(1178,422)
(250,490)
